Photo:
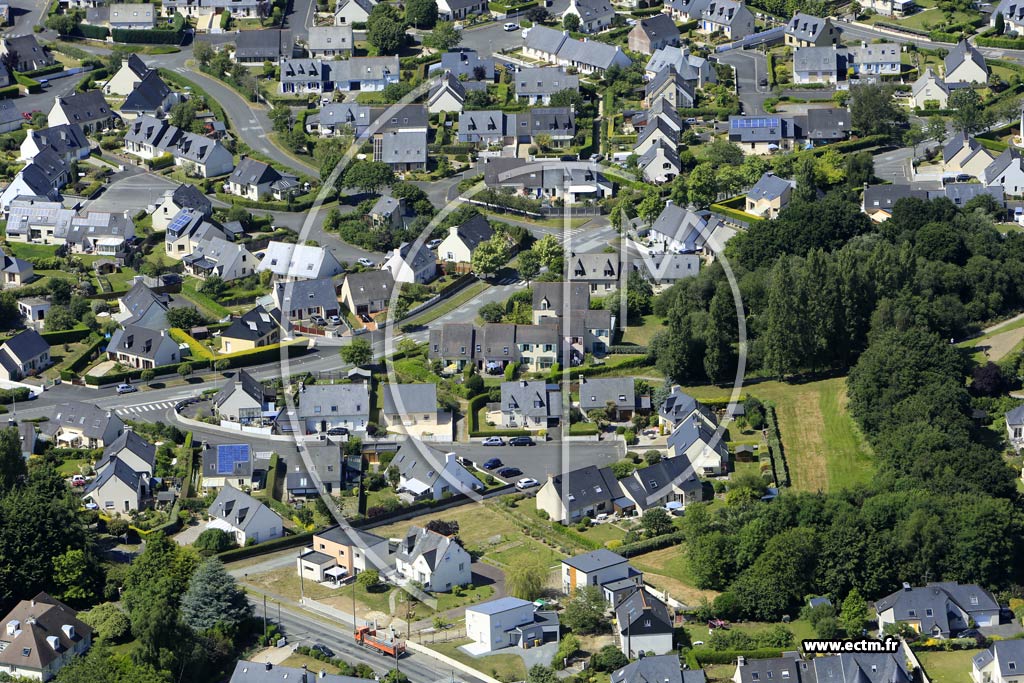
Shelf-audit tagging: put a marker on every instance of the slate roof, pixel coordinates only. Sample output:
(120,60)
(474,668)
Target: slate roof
(592,53)
(659,26)
(536,399)
(257,672)
(410,398)
(884,197)
(363,68)
(771,128)
(130,14)
(194,147)
(805,27)
(599,392)
(63,140)
(658,124)
(914,603)
(26,345)
(656,669)
(419,542)
(1015,416)
(140,297)
(330,38)
(862,667)
(115,469)
(13,264)
(826,124)
(1013,10)
(724,12)
(343,113)
(291,296)
(334,399)
(927,77)
(85,107)
(595,560)
(249,171)
(404,147)
(244,382)
(683,225)
(651,155)
(787,667)
(235,507)
(453,341)
(89,418)
(475,230)
(149,95)
(655,481)
(591,10)
(690,431)
(692,8)
(679,405)
(137,341)
(1002,162)
(465,61)
(586,486)
(642,605)
(27,48)
(544,39)
(386,205)
(253,325)
(769,186)
(304,70)
(189,196)
(298,260)
(134,443)
(668,77)
(350,536)
(875,53)
(963,52)
(370,285)
(1003,652)
(543,81)
(8,111)
(817,59)
(552,293)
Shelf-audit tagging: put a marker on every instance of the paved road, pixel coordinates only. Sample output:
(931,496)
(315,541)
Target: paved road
(895,165)
(751,66)
(546,458)
(132,190)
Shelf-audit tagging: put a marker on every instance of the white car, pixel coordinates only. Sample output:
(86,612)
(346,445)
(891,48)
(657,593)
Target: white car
(433,244)
(125,389)
(526,483)
(511,26)
(366,263)
(494,441)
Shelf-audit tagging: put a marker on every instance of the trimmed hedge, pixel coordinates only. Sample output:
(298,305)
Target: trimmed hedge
(775,448)
(82,361)
(475,404)
(265,547)
(31,84)
(118,377)
(199,352)
(76,333)
(583,429)
(45,71)
(272,474)
(91,31)
(627,348)
(704,656)
(598,370)
(264,354)
(651,544)
(299,204)
(171,36)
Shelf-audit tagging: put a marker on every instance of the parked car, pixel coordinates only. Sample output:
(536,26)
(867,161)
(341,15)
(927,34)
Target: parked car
(337,431)
(521,441)
(318,320)
(763,82)
(492,463)
(125,389)
(494,441)
(365,318)
(365,262)
(511,26)
(434,244)
(509,472)
(969,633)
(334,319)
(526,483)
(324,650)
(78,480)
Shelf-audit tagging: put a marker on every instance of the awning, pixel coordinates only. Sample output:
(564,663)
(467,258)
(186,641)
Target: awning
(110,241)
(335,572)
(415,486)
(673,505)
(68,438)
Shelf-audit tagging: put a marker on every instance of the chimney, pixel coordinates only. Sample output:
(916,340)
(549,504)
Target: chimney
(448,457)
(323,674)
(269,666)
(163,333)
(906,586)
(741,661)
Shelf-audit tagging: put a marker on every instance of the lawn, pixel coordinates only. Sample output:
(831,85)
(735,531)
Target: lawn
(505,667)
(27,251)
(314,665)
(641,335)
(824,447)
(667,569)
(447,601)
(365,601)
(947,667)
(284,581)
(69,467)
(801,630)
(925,20)
(996,344)
(205,304)
(450,304)
(479,525)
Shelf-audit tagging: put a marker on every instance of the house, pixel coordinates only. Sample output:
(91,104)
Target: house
(1006,171)
(658,131)
(929,91)
(652,34)
(185,231)
(536,85)
(151,97)
(586,492)
(15,272)
(289,262)
(131,73)
(532,405)
(406,405)
(467,64)
(23,355)
(486,128)
(373,74)
(346,551)
(963,155)
(669,483)
(667,269)
(556,47)
(66,141)
(702,444)
(413,263)
(259,47)
(680,230)
(597,569)
(140,347)
(243,399)
(244,518)
(964,64)
(135,16)
(599,270)
(686,10)
(510,622)
(142,306)
(879,200)
(998,664)
(329,41)
(352,11)
(75,424)
(890,8)
(1013,16)
(824,125)
(254,329)
(340,117)
(680,407)
(436,562)
(644,624)
(539,180)
(878,59)
(257,181)
(34,309)
(182,197)
(616,395)
(695,70)
(40,637)
(23,53)
(448,95)
(216,256)
(205,8)
(595,15)
(305,298)
(453,345)
(672,89)
(10,117)
(1015,427)
(227,464)
(33,219)
(117,488)
(132,450)
(401,139)
(729,17)
(818,65)
(804,30)
(457,10)
(266,672)
(769,195)
(661,668)
(425,473)
(325,406)
(549,299)
(87,109)
(368,292)
(322,469)
(762,134)
(939,609)
(41,179)
(387,213)
(149,138)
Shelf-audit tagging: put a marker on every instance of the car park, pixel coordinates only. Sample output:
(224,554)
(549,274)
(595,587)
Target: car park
(526,483)
(509,472)
(125,389)
(521,441)
(494,441)
(492,463)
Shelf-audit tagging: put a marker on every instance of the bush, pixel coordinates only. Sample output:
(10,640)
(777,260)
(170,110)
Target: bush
(215,541)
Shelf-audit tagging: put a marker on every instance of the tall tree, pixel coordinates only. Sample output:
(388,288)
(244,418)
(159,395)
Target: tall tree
(385,29)
(12,465)
(368,176)
(526,576)
(214,599)
(444,37)
(421,14)
(490,256)
(782,341)
(703,185)
(873,110)
(720,335)
(969,114)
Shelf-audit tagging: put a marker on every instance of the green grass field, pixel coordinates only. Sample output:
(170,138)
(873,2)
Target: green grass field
(641,335)
(824,447)
(947,667)
(925,20)
(505,667)
(27,251)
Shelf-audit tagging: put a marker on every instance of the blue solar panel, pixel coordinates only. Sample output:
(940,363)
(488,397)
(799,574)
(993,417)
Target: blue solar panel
(230,454)
(755,122)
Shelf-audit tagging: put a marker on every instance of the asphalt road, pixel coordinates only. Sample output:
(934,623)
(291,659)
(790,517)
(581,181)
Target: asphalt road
(895,165)
(132,190)
(751,66)
(545,458)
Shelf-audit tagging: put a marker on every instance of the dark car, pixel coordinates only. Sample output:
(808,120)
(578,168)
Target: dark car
(509,472)
(324,650)
(337,431)
(521,441)
(492,463)
(365,318)
(970,633)
(763,82)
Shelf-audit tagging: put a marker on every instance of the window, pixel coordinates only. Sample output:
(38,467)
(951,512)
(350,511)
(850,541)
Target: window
(929,612)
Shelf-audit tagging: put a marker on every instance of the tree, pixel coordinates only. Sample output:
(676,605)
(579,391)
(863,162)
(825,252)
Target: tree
(368,579)
(444,527)
(854,614)
(571,22)
(782,344)
(359,352)
(444,37)
(214,599)
(584,612)
(914,136)
(567,647)
(529,265)
(550,251)
(421,13)
(490,256)
(656,522)
(72,572)
(281,118)
(651,206)
(225,20)
(183,114)
(492,311)
(60,291)
(214,541)
(385,29)
(117,527)
(567,98)
(184,318)
(368,176)
(1000,24)
(935,129)
(185,369)
(988,380)
(147,375)
(703,185)
(110,622)
(969,114)
(60,318)
(538,15)
(12,465)
(525,577)
(873,110)
(609,658)
(101,665)
(539,673)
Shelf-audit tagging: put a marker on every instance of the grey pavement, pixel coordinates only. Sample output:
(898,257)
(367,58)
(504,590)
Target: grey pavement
(546,457)
(132,191)
(895,165)
(751,66)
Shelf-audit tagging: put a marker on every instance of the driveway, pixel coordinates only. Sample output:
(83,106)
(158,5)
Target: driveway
(190,534)
(132,191)
(751,66)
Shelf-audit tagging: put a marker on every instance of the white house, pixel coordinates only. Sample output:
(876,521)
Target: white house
(140,347)
(40,637)
(699,442)
(939,609)
(458,246)
(1007,171)
(408,264)
(23,355)
(596,569)
(325,406)
(644,624)
(132,450)
(289,262)
(243,517)
(117,488)
(436,562)
(426,473)
(1015,427)
(594,15)
(1000,663)
(352,12)
(131,73)
(217,256)
(930,89)
(964,64)
(507,622)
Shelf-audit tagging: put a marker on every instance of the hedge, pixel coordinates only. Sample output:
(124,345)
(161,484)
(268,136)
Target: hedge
(266,547)
(704,656)
(31,84)
(583,429)
(775,448)
(627,348)
(264,354)
(171,36)
(81,362)
(475,404)
(597,370)
(91,31)
(45,71)
(118,377)
(272,474)
(163,161)
(299,204)
(651,544)
(10,92)
(199,352)
(741,216)
(76,333)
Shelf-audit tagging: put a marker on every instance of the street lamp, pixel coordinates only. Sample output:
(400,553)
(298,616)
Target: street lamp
(302,586)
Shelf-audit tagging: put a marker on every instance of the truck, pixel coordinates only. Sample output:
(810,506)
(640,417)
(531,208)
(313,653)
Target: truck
(390,647)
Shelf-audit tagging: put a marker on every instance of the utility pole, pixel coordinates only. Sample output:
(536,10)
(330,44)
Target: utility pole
(264,615)
(302,586)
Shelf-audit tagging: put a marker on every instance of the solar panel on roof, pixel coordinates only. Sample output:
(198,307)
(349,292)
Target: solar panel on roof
(230,454)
